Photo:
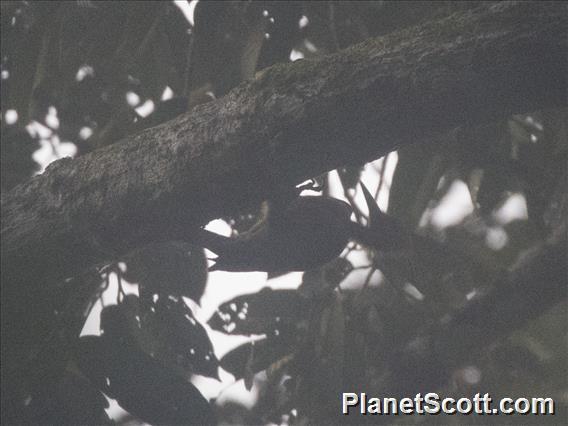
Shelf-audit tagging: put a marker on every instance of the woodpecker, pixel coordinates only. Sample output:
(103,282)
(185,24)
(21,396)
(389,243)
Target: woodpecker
(308,232)
(304,234)
(383,232)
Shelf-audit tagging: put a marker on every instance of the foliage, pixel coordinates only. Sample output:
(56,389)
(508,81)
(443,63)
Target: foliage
(346,326)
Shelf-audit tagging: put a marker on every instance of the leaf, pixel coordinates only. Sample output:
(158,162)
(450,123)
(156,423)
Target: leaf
(70,401)
(414,182)
(317,283)
(17,162)
(91,355)
(169,268)
(491,192)
(140,384)
(266,312)
(184,341)
(165,330)
(253,357)
(330,342)
(178,32)
(323,370)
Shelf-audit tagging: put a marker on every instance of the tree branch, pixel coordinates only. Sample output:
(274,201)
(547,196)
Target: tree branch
(293,121)
(536,283)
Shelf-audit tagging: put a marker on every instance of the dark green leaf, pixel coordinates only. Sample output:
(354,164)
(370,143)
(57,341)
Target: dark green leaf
(72,400)
(169,268)
(415,180)
(165,330)
(183,341)
(140,384)
(264,312)
(256,356)
(321,281)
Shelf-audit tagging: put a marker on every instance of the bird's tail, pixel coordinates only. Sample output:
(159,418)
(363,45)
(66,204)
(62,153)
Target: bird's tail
(383,232)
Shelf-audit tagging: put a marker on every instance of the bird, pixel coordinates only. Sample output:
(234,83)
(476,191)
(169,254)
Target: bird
(308,232)
(303,234)
(383,231)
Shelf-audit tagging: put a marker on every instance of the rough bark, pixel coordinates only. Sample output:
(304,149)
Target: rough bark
(294,121)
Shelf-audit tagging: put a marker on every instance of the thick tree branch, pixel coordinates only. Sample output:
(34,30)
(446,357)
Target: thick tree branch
(294,121)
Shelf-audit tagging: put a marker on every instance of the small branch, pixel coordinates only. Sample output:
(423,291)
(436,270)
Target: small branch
(536,283)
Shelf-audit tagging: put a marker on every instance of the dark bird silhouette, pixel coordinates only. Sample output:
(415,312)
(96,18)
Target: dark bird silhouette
(301,235)
(308,232)
(383,232)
